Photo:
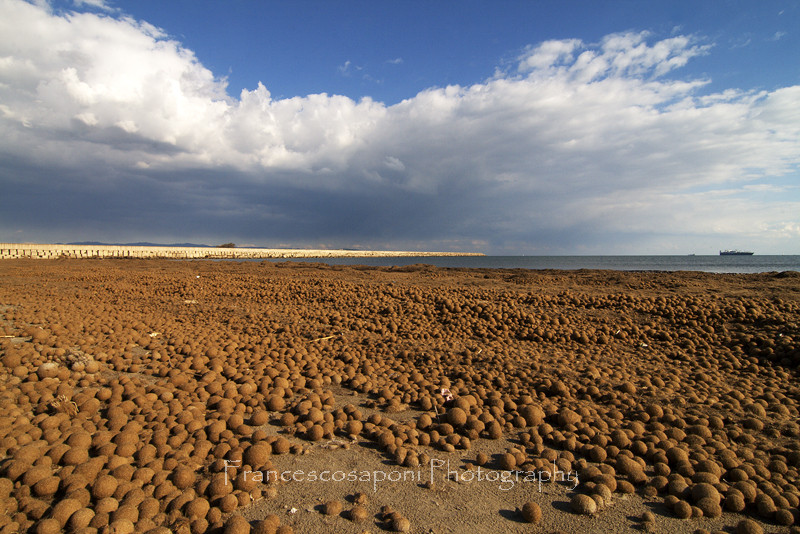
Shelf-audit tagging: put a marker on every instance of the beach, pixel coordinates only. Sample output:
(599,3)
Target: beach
(151,395)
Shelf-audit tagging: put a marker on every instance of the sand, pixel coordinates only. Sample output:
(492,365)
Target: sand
(194,396)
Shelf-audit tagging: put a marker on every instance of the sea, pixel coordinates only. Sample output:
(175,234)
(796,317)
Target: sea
(709,264)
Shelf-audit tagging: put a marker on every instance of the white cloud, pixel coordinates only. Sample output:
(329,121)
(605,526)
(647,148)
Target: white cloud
(344,68)
(548,54)
(96,4)
(742,41)
(394,164)
(347,68)
(580,136)
(621,54)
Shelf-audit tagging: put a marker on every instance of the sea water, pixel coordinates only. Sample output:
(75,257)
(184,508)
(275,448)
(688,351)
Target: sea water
(710,264)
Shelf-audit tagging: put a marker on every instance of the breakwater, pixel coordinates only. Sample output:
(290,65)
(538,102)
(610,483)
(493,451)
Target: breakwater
(41,251)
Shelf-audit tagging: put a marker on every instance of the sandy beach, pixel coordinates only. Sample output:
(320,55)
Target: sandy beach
(194,396)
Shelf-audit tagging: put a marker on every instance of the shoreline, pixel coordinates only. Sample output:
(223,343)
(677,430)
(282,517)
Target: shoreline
(188,396)
(52,251)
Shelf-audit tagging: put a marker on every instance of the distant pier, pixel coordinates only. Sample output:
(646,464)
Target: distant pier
(49,252)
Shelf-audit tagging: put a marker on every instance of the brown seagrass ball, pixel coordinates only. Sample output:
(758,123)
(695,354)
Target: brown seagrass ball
(457,417)
(401,524)
(531,512)
(332,508)
(583,504)
(358,514)
(183,477)
(237,524)
(748,526)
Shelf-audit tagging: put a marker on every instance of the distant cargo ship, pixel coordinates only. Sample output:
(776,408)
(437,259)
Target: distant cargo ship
(734,253)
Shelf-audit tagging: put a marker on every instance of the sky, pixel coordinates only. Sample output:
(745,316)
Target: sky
(508,128)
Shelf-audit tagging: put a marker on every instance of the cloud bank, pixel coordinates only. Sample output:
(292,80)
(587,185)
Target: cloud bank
(112,130)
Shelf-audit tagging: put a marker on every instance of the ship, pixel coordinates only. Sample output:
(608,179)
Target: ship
(734,253)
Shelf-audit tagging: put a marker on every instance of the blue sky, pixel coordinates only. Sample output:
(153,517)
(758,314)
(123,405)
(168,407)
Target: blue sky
(390,51)
(551,127)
